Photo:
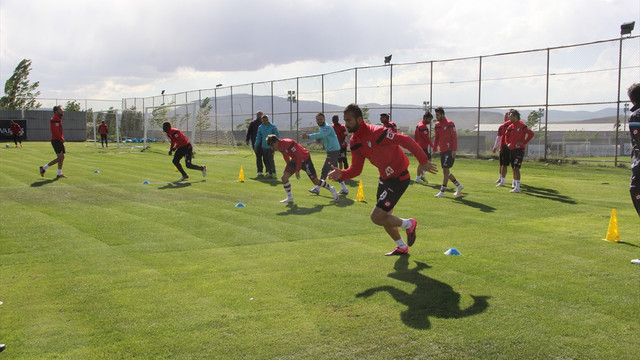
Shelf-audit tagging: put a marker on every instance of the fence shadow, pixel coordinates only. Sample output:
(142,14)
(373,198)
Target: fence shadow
(544,193)
(430,298)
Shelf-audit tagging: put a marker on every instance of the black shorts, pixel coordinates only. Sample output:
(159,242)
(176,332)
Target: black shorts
(426,151)
(186,152)
(58,146)
(517,156)
(505,156)
(390,190)
(307,166)
(447,159)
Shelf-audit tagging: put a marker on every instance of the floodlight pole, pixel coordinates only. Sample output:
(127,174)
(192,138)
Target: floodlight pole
(291,98)
(618,102)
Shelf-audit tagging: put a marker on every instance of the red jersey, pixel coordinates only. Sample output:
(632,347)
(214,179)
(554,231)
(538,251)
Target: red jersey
(422,135)
(15,128)
(56,127)
(178,139)
(342,134)
(292,151)
(391,126)
(518,132)
(103,129)
(502,131)
(446,137)
(382,148)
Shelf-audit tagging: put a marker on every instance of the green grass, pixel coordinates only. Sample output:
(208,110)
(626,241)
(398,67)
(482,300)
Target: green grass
(101,266)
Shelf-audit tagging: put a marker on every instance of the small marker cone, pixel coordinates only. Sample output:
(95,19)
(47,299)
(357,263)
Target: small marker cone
(175,169)
(452,251)
(240,205)
(96,172)
(145,182)
(612,233)
(360,195)
(241,175)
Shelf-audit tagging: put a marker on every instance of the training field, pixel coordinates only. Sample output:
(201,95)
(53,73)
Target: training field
(102,266)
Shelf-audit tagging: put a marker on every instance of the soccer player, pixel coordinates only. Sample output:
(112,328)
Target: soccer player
(265,129)
(501,142)
(423,138)
(57,141)
(296,157)
(383,149)
(182,146)
(518,135)
(387,123)
(331,146)
(446,139)
(103,129)
(634,129)
(341,133)
(15,133)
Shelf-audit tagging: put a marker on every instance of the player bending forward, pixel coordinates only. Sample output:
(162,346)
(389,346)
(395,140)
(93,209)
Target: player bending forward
(296,157)
(382,147)
(181,145)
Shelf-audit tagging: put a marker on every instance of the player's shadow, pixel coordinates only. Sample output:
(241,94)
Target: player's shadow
(43,182)
(543,193)
(482,207)
(179,184)
(294,209)
(430,298)
(266,180)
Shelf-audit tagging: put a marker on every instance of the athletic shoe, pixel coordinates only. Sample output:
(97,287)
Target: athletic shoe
(260,173)
(287,200)
(499,181)
(2,347)
(315,191)
(42,170)
(343,192)
(411,232)
(334,193)
(459,192)
(418,179)
(635,261)
(398,251)
(440,194)
(515,190)
(183,178)
(60,176)
(500,184)
(204,171)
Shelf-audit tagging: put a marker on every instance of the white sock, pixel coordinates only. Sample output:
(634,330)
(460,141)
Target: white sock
(287,189)
(401,244)
(406,224)
(45,166)
(517,184)
(344,186)
(59,171)
(418,178)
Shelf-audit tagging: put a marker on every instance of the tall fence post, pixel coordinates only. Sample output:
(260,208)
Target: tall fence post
(479,106)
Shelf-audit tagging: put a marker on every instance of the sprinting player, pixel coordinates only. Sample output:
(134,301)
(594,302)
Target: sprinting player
(518,135)
(252,132)
(15,133)
(501,142)
(331,146)
(264,130)
(341,133)
(387,123)
(383,149)
(296,157)
(634,129)
(182,146)
(446,139)
(423,138)
(103,129)
(57,141)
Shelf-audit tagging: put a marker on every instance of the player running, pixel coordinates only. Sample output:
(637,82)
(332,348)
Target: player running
(296,157)
(181,145)
(383,149)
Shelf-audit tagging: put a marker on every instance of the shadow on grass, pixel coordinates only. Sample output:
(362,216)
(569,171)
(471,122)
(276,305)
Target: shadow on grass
(294,209)
(43,182)
(266,180)
(629,244)
(473,204)
(549,194)
(180,184)
(430,298)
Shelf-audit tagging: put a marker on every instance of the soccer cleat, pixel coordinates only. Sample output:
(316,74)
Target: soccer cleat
(333,192)
(411,232)
(398,251)
(343,192)
(204,171)
(459,192)
(500,184)
(635,261)
(287,200)
(42,170)
(315,191)
(260,173)
(418,179)
(440,194)
(183,178)
(60,176)
(499,181)
(515,190)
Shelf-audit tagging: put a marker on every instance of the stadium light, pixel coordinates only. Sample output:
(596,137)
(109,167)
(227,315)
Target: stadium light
(291,99)
(627,28)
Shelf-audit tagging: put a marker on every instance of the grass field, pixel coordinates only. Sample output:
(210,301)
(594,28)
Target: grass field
(101,266)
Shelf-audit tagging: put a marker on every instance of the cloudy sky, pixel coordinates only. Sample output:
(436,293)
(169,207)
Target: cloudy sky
(113,49)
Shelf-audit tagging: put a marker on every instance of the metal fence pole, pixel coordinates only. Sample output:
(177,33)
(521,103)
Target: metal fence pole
(479,105)
(546,105)
(618,102)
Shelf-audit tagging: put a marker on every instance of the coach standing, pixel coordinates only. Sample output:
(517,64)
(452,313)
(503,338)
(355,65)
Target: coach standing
(252,132)
(57,141)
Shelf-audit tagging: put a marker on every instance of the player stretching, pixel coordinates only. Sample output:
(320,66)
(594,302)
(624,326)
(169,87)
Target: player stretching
(181,145)
(296,157)
(382,147)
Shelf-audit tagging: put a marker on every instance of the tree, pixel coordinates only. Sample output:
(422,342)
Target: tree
(365,114)
(19,93)
(72,106)
(533,119)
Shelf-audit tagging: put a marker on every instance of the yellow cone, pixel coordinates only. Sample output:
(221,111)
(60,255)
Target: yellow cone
(241,175)
(360,195)
(175,169)
(612,233)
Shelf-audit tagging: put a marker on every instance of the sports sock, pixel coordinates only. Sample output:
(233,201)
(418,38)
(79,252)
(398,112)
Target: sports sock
(406,224)
(344,186)
(45,166)
(456,183)
(418,178)
(324,184)
(59,171)
(287,189)
(401,244)
(443,188)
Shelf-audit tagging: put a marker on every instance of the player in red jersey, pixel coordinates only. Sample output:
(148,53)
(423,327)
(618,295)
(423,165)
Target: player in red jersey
(181,145)
(57,141)
(383,149)
(15,133)
(103,129)
(342,134)
(296,157)
(387,123)
(501,142)
(423,138)
(446,139)
(518,135)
